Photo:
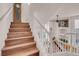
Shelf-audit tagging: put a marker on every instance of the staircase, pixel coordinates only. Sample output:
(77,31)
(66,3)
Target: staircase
(20,41)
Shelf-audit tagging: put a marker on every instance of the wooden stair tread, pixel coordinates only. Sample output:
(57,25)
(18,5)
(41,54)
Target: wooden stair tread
(18,23)
(19,28)
(17,46)
(26,52)
(19,35)
(27,37)
(19,32)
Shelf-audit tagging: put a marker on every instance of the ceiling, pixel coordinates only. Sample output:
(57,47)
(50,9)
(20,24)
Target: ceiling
(50,10)
(47,11)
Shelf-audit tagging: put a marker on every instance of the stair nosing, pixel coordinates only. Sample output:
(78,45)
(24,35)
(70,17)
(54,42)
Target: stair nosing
(20,28)
(19,32)
(19,38)
(34,50)
(29,34)
(18,46)
(33,53)
(19,23)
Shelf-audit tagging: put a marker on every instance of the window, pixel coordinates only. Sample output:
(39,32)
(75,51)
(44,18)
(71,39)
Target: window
(76,24)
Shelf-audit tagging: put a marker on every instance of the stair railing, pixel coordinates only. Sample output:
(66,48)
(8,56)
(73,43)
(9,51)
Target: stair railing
(68,48)
(71,48)
(5,21)
(42,37)
(45,41)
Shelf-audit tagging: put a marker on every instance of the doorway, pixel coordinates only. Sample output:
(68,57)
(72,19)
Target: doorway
(17,12)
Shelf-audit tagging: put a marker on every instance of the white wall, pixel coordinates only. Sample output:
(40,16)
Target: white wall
(24,12)
(5,23)
(49,11)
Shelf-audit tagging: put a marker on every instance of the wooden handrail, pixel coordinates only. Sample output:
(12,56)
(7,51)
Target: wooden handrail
(57,45)
(54,40)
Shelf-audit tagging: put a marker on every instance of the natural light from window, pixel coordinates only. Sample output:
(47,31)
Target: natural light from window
(76,24)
